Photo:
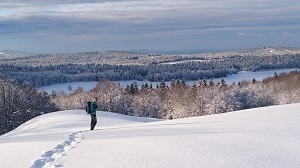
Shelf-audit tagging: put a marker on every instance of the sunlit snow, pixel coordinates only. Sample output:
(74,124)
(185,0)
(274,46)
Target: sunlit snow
(262,137)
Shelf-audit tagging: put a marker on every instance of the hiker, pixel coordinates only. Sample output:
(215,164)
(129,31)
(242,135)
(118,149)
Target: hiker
(91,109)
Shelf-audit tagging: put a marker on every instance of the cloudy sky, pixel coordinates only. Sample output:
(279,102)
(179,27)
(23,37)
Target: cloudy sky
(47,26)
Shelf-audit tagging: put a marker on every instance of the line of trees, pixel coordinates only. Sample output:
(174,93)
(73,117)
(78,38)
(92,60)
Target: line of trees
(43,76)
(180,100)
(20,102)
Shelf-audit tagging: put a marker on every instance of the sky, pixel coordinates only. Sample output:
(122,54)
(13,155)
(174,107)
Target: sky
(92,25)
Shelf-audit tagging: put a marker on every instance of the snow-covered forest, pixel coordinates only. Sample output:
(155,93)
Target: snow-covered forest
(180,100)
(20,103)
(43,70)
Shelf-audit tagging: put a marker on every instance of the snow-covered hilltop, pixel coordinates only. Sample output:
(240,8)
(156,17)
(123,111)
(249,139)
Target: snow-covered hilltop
(260,52)
(12,54)
(263,137)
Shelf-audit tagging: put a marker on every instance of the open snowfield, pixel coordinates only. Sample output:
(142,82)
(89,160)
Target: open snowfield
(263,137)
(243,75)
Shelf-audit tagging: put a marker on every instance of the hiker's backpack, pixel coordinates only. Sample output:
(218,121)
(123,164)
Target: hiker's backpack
(88,107)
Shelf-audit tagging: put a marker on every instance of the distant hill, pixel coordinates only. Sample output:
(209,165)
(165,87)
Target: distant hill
(12,54)
(142,57)
(47,69)
(174,52)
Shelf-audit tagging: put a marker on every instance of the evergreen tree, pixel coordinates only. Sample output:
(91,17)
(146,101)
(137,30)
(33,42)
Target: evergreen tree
(20,103)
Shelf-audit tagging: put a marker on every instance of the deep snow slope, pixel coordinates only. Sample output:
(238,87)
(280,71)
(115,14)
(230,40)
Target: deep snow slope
(43,136)
(263,137)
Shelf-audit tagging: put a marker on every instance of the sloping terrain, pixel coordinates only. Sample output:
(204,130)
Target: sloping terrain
(263,137)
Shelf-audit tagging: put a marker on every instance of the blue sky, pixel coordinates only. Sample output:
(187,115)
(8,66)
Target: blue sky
(92,25)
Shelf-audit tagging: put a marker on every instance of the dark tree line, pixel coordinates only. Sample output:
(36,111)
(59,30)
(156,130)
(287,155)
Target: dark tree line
(20,102)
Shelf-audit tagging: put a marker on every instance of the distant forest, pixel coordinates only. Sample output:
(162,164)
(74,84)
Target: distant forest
(50,69)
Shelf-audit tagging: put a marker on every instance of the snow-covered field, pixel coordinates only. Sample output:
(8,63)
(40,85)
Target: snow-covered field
(243,75)
(263,137)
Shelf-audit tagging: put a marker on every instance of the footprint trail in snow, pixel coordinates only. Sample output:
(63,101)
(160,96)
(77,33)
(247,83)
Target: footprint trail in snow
(49,158)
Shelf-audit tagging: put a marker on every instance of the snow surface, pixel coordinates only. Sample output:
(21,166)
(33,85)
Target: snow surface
(262,137)
(243,75)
